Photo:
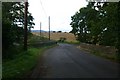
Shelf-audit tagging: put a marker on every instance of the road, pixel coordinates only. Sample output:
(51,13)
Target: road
(67,61)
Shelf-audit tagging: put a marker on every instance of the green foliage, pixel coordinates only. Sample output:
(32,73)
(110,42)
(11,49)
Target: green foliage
(72,42)
(97,23)
(11,52)
(13,26)
(62,39)
(16,65)
(22,62)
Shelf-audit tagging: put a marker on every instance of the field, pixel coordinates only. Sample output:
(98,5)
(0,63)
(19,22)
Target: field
(56,36)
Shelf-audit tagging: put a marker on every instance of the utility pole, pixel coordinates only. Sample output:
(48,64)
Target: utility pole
(49,26)
(25,26)
(40,28)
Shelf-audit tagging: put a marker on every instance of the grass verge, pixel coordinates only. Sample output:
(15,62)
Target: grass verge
(103,54)
(22,62)
(112,57)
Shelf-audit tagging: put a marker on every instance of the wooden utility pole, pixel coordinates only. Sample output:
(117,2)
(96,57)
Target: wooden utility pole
(49,26)
(40,28)
(25,25)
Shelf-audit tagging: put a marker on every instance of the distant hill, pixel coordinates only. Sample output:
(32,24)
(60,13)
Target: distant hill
(38,31)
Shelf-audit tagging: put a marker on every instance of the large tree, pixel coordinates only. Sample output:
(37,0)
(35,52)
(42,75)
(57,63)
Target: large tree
(13,24)
(96,23)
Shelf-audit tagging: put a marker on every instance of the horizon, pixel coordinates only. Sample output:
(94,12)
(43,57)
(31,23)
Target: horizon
(60,16)
(48,30)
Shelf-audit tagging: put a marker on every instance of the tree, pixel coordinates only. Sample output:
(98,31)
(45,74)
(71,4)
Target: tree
(13,24)
(54,31)
(59,31)
(96,23)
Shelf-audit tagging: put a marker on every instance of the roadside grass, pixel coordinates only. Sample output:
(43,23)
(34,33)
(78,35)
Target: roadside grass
(101,51)
(72,42)
(112,57)
(23,62)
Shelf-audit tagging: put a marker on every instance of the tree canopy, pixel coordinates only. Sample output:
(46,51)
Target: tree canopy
(97,23)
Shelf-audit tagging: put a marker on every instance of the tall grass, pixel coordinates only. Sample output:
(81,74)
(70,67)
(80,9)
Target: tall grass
(22,63)
(107,52)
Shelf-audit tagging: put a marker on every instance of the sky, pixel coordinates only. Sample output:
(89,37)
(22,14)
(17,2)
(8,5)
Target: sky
(60,12)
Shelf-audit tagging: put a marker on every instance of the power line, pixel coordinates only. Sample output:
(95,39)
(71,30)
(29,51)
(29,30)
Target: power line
(43,8)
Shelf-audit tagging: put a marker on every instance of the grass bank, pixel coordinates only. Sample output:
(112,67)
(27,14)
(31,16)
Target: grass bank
(106,52)
(71,42)
(23,62)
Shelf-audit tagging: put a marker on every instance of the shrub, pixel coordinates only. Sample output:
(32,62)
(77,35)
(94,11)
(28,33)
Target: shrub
(54,31)
(59,31)
(62,39)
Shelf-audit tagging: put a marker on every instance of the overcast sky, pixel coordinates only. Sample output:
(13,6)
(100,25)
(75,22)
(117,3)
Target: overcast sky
(60,12)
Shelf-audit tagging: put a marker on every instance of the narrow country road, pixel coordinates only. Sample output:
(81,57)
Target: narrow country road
(66,61)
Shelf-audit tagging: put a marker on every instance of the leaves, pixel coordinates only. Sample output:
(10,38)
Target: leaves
(13,25)
(96,23)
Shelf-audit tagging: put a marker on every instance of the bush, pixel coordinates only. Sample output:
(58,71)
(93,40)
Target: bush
(59,31)
(62,39)
(54,31)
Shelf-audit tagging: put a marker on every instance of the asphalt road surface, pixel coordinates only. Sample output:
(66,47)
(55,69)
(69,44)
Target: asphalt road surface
(67,61)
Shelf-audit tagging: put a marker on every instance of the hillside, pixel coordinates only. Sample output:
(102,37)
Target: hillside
(56,36)
(38,31)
